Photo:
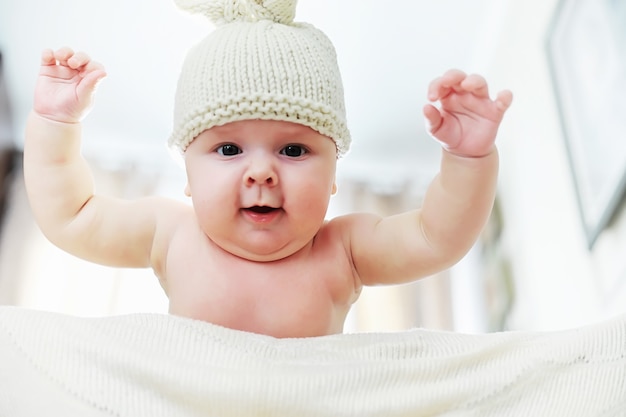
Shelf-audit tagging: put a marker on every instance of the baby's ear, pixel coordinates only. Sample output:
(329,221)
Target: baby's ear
(334,189)
(187,190)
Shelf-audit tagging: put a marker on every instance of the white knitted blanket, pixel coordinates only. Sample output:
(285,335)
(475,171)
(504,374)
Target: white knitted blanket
(159,365)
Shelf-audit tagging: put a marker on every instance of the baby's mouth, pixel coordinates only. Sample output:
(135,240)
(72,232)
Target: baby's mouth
(262,214)
(261,209)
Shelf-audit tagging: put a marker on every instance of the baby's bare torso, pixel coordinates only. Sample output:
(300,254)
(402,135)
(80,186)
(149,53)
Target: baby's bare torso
(307,294)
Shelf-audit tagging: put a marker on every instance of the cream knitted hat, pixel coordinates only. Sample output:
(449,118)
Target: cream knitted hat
(258,64)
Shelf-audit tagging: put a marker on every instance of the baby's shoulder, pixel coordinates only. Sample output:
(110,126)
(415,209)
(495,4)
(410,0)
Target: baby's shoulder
(169,209)
(173,218)
(344,228)
(345,224)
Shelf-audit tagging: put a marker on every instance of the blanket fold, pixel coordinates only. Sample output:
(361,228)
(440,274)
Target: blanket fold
(161,365)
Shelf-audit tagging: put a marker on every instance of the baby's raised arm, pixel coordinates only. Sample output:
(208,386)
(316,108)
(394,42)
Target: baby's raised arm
(59,181)
(459,200)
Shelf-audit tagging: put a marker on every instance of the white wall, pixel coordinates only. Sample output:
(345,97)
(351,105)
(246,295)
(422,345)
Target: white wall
(559,283)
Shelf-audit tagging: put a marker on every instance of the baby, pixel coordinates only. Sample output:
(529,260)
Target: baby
(260,123)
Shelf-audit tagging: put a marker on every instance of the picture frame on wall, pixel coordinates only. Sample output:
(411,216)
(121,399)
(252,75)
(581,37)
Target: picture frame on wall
(586,48)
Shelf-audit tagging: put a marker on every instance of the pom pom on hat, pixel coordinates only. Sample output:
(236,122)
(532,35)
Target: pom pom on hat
(258,64)
(225,11)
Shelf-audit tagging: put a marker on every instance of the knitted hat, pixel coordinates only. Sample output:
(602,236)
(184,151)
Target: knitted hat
(258,64)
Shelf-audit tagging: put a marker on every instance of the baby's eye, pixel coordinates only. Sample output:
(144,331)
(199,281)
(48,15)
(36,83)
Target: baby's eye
(228,150)
(293,151)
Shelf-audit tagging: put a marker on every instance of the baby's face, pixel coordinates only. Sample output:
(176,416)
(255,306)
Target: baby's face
(260,188)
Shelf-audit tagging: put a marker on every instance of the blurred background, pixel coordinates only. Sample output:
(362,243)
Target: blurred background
(553,255)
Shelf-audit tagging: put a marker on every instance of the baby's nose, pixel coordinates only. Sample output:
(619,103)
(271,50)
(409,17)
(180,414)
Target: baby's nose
(261,172)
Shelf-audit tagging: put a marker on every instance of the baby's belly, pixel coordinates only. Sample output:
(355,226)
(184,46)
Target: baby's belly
(290,315)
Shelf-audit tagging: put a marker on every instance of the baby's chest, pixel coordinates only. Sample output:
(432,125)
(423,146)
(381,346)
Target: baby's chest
(264,298)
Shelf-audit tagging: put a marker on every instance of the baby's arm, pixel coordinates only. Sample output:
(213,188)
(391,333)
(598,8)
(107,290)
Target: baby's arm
(58,179)
(457,203)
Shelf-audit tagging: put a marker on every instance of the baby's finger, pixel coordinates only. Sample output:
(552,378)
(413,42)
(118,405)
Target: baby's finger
(441,87)
(477,85)
(432,117)
(47,57)
(93,66)
(78,59)
(63,54)
(89,83)
(435,90)
(453,76)
(504,100)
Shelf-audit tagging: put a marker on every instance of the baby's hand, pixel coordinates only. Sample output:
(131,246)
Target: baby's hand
(467,121)
(66,83)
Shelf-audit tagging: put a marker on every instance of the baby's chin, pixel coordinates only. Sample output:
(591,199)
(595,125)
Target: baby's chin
(261,252)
